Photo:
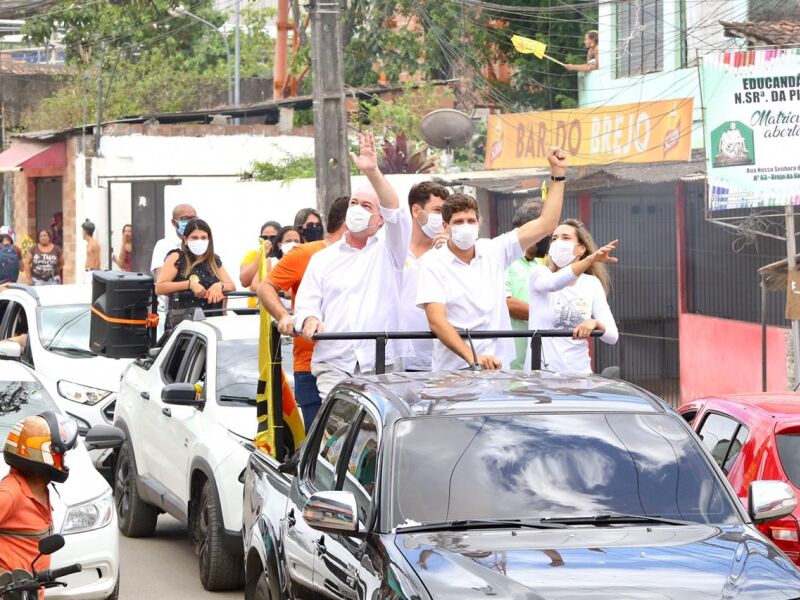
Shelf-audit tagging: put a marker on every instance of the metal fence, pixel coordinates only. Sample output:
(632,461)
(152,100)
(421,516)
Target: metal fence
(505,205)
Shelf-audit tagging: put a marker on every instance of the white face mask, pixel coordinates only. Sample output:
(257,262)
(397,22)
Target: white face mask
(434,225)
(287,246)
(197,247)
(464,236)
(357,219)
(562,252)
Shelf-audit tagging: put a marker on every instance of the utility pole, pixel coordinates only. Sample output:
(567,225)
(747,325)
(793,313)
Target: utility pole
(330,120)
(237,56)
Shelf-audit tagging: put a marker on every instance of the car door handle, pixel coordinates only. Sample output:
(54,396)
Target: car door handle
(166,412)
(320,544)
(145,395)
(290,520)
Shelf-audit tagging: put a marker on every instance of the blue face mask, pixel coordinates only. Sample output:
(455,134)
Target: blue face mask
(182,226)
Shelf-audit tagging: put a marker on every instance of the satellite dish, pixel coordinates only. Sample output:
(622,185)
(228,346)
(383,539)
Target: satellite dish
(447,129)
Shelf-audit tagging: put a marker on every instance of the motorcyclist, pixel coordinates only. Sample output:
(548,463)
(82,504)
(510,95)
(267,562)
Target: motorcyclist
(35,451)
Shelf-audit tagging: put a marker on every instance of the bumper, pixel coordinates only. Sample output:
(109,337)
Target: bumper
(97,552)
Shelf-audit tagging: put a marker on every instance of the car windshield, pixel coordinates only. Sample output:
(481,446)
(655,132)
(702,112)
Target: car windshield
(237,369)
(65,329)
(552,466)
(789,452)
(20,399)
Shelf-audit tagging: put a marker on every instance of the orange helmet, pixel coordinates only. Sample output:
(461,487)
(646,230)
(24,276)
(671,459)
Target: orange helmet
(36,446)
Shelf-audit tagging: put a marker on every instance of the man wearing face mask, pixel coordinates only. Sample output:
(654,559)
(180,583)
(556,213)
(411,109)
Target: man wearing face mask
(462,287)
(425,202)
(350,285)
(181,215)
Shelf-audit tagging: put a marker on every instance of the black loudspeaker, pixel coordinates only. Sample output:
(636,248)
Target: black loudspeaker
(121,306)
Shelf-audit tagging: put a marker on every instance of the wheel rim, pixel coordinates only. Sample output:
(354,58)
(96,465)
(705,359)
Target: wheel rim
(201,536)
(122,494)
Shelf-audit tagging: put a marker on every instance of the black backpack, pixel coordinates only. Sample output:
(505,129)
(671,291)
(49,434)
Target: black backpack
(9,263)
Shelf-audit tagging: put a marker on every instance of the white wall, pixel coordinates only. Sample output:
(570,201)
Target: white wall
(236,210)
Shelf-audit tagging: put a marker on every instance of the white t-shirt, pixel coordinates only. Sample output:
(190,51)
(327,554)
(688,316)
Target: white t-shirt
(163,247)
(556,304)
(412,317)
(473,294)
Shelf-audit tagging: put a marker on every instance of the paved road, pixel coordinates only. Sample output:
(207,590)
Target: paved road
(163,566)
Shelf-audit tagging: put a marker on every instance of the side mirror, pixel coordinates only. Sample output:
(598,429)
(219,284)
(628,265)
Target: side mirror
(770,500)
(48,545)
(9,349)
(332,512)
(101,437)
(180,394)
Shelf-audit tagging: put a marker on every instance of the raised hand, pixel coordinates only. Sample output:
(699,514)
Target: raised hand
(367,159)
(603,254)
(558,161)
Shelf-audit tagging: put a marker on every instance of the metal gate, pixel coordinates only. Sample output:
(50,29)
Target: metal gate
(644,292)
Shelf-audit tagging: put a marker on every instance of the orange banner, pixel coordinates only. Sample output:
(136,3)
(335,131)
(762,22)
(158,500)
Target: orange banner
(630,133)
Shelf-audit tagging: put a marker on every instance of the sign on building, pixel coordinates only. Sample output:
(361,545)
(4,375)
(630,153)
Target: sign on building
(645,132)
(752,127)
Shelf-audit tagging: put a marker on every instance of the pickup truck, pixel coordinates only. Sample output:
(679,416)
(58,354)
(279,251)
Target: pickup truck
(505,484)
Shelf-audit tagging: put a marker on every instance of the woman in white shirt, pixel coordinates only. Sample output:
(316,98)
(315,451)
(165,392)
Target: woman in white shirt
(569,293)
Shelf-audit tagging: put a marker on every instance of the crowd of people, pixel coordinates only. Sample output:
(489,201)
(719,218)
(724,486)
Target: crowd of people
(381,265)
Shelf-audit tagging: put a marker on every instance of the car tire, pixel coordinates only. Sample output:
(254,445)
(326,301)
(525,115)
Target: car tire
(136,517)
(266,587)
(219,569)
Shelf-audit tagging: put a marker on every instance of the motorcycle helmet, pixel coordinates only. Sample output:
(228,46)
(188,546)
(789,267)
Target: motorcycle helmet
(36,446)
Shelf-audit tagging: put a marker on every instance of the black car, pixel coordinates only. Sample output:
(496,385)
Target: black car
(505,485)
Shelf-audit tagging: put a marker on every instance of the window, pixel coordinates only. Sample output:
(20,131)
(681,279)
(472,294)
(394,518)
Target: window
(362,466)
(337,425)
(195,372)
(171,368)
(724,438)
(64,329)
(789,453)
(689,415)
(640,37)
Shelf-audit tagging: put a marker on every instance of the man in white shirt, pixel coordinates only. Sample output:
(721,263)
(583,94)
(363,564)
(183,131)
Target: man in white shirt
(353,285)
(461,285)
(181,215)
(425,201)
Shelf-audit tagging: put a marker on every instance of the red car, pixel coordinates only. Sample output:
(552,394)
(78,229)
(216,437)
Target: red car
(754,437)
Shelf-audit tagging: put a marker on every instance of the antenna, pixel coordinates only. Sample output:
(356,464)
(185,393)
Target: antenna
(447,129)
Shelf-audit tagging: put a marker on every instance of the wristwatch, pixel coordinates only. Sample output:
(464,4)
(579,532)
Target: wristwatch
(194,279)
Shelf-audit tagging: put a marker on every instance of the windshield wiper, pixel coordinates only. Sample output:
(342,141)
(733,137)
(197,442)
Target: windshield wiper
(479,524)
(614,519)
(70,350)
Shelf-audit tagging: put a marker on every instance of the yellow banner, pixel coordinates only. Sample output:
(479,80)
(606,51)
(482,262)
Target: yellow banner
(630,133)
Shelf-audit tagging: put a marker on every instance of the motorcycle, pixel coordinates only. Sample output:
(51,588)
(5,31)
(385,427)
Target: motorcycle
(22,585)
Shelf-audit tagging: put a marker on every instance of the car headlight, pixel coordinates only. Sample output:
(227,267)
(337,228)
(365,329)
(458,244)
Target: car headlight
(93,514)
(82,393)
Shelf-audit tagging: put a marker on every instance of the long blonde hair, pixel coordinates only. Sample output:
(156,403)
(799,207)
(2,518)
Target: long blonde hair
(585,238)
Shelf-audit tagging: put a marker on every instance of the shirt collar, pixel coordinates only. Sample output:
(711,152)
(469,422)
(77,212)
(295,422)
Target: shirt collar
(346,246)
(455,259)
(24,487)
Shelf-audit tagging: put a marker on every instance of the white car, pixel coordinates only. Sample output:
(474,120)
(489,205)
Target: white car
(83,507)
(189,415)
(56,318)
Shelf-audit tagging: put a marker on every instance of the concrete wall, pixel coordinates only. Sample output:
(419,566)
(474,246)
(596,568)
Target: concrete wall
(721,356)
(703,34)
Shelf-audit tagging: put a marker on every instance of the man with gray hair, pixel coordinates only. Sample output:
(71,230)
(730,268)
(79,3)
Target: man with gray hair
(354,284)
(181,215)
(518,276)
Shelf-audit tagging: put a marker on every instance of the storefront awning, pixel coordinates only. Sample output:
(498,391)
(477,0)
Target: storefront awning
(32,155)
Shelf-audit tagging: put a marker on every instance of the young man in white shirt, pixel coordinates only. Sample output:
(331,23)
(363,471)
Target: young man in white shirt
(425,202)
(461,285)
(354,284)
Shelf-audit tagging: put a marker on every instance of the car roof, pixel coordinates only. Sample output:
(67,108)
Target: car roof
(13,370)
(479,392)
(57,295)
(234,327)
(777,404)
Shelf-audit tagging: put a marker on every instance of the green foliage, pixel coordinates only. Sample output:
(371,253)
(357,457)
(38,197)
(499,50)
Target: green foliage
(404,114)
(149,60)
(292,167)
(303,117)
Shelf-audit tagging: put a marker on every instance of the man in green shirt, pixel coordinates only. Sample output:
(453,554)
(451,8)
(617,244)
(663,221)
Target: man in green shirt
(517,276)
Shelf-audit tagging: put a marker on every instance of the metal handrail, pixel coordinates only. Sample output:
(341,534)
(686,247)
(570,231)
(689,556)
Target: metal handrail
(382,337)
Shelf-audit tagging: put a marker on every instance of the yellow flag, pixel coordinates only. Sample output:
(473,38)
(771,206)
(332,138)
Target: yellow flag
(265,433)
(529,46)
